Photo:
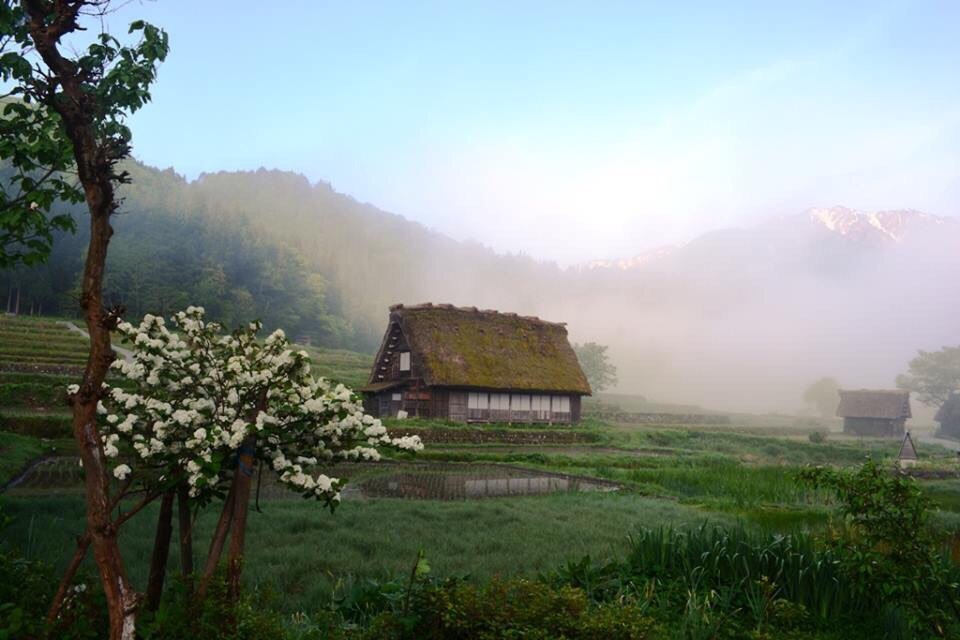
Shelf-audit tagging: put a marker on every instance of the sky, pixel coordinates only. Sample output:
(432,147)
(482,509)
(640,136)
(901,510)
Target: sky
(568,131)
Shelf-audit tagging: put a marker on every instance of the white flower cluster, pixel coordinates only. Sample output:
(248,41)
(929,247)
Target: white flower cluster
(196,397)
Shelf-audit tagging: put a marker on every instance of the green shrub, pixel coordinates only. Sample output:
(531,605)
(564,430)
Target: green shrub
(215,618)
(26,590)
(889,552)
(32,394)
(818,437)
(36,425)
(516,608)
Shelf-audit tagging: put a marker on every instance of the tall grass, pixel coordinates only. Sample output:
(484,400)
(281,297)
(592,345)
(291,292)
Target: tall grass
(739,561)
(302,551)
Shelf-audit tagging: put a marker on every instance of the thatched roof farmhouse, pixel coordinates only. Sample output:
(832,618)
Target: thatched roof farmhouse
(878,413)
(464,364)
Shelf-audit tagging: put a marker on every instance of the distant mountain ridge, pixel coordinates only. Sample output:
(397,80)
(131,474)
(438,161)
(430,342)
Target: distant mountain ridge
(733,319)
(876,228)
(862,226)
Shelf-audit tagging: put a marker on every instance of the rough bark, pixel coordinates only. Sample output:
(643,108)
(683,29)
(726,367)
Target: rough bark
(49,22)
(161,551)
(243,478)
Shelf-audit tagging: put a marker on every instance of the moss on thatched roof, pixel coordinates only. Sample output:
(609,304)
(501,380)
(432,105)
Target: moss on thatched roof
(867,403)
(466,347)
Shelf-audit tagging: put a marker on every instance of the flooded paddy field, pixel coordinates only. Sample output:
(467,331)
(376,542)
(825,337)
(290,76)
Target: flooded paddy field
(62,475)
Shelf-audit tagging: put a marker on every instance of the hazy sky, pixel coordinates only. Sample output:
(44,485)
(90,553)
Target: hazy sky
(568,131)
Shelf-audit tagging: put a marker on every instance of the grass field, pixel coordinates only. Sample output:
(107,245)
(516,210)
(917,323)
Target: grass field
(303,550)
(670,475)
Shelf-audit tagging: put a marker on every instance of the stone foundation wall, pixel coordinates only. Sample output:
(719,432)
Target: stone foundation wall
(492,436)
(661,418)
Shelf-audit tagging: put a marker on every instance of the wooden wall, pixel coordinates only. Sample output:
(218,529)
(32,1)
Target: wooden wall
(451,404)
(874,427)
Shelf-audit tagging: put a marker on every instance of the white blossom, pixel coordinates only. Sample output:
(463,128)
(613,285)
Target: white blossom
(199,394)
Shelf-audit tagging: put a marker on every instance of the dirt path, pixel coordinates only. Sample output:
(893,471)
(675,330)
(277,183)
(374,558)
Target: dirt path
(126,353)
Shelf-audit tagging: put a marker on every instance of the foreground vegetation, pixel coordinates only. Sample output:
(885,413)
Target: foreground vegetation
(883,574)
(710,535)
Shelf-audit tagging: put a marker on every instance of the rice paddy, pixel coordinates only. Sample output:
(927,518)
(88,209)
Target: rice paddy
(605,493)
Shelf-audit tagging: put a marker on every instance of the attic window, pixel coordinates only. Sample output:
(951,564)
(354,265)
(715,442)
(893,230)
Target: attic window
(404,361)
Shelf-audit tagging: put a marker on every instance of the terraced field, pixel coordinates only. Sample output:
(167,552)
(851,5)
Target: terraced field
(39,357)
(28,344)
(349,367)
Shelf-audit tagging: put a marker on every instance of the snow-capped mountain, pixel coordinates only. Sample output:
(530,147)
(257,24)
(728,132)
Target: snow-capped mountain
(625,264)
(858,228)
(892,226)
(747,317)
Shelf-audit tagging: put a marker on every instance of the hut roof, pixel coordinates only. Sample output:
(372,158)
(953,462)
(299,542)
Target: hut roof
(467,347)
(907,450)
(949,412)
(866,403)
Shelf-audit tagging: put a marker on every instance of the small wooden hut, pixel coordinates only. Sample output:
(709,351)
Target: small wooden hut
(907,456)
(949,416)
(876,413)
(467,365)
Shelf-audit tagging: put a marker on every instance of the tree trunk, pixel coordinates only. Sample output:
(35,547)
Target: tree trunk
(95,155)
(219,539)
(186,533)
(83,543)
(122,600)
(161,551)
(243,477)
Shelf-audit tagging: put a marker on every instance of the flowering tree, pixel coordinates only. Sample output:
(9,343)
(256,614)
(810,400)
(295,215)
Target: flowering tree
(201,409)
(67,111)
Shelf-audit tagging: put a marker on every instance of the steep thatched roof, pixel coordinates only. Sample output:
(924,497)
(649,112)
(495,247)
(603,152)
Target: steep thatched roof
(866,403)
(466,347)
(907,450)
(949,413)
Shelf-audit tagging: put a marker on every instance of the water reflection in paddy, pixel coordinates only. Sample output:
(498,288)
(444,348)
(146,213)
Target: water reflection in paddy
(411,480)
(459,482)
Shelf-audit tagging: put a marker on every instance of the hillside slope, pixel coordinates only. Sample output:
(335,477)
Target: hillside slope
(737,319)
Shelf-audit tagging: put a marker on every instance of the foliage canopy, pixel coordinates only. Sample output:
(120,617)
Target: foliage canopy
(933,375)
(600,372)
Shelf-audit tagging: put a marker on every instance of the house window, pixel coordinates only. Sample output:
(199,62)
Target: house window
(561,404)
(540,405)
(500,402)
(404,361)
(520,402)
(478,401)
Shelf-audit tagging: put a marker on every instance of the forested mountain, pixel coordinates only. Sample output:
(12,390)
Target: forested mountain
(736,318)
(268,244)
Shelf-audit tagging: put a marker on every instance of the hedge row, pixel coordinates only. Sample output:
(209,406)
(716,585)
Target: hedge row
(37,425)
(57,369)
(33,394)
(438,435)
(52,352)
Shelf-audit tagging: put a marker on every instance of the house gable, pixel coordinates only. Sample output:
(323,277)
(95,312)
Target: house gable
(471,349)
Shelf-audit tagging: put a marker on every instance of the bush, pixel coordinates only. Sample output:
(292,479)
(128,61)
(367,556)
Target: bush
(37,425)
(516,608)
(889,552)
(818,437)
(215,618)
(26,590)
